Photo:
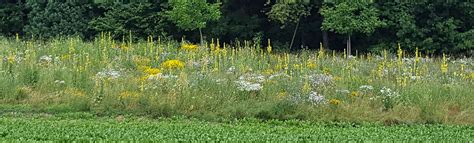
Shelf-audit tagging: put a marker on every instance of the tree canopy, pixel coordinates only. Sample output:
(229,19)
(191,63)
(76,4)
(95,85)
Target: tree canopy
(432,26)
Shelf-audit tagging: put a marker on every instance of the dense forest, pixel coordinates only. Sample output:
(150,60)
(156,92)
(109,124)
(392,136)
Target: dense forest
(432,26)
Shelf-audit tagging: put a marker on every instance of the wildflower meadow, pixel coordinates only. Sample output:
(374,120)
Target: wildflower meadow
(219,81)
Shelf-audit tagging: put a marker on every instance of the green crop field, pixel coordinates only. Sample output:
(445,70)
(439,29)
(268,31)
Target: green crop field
(85,127)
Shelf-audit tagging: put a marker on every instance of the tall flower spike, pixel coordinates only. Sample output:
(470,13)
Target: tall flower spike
(269,47)
(444,65)
(400,55)
(321,51)
(17,37)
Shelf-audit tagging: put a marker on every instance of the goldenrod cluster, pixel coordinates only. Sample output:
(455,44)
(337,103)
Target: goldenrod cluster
(173,64)
(335,102)
(189,47)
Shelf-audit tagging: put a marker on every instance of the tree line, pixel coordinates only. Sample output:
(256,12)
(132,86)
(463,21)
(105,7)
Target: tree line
(431,26)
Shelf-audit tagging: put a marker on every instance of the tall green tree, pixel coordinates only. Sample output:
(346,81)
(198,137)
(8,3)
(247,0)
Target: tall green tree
(289,13)
(348,18)
(193,14)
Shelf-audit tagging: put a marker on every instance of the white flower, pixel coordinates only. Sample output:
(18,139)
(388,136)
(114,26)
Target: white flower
(248,86)
(388,92)
(219,80)
(278,75)
(253,78)
(46,59)
(112,74)
(231,70)
(366,87)
(316,98)
(415,77)
(343,91)
(320,80)
(59,81)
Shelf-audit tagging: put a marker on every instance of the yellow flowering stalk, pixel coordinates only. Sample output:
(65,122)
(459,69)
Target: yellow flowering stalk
(333,56)
(321,51)
(306,87)
(173,64)
(269,47)
(462,70)
(400,56)
(444,65)
(17,37)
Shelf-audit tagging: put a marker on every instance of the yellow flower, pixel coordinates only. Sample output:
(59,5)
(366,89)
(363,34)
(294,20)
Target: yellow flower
(144,78)
(281,95)
(354,93)
(11,59)
(74,92)
(128,95)
(141,61)
(335,102)
(143,68)
(326,71)
(306,87)
(173,64)
(124,47)
(472,75)
(298,66)
(311,65)
(152,71)
(65,57)
(189,47)
(444,65)
(268,71)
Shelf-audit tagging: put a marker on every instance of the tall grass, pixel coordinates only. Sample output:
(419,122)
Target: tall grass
(165,78)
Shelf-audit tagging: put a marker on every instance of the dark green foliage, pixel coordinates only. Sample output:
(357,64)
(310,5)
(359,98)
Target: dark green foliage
(51,19)
(12,18)
(432,26)
(241,20)
(141,19)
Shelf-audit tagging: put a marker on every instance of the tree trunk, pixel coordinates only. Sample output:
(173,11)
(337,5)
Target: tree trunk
(325,39)
(200,34)
(294,34)
(349,46)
